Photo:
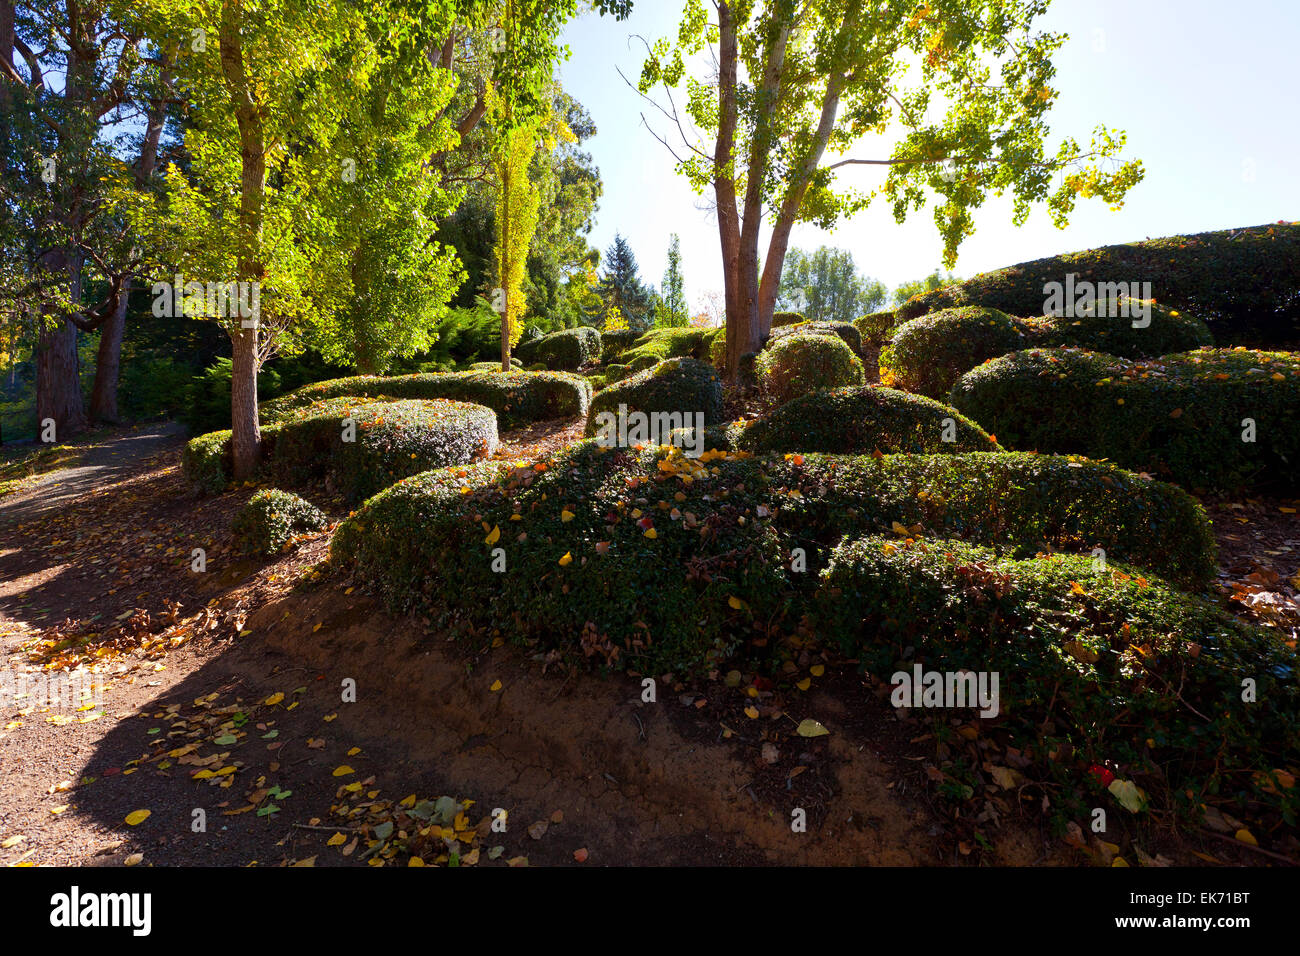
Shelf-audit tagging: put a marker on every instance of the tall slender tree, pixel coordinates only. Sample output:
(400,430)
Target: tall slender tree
(674,311)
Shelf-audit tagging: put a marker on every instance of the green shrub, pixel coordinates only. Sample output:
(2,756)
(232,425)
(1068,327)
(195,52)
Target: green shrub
(1181,416)
(649,547)
(392,440)
(1125,671)
(927,355)
(675,386)
(863,419)
(566,350)
(877,327)
(851,336)
(614,343)
(780,319)
(617,372)
(518,398)
(801,363)
(1198,274)
(272,518)
(1165,331)
(206,462)
(665,343)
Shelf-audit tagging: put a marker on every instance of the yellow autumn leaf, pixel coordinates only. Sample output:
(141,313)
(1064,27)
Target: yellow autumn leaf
(337,839)
(811,728)
(817,670)
(1129,794)
(651,533)
(496,686)
(415,861)
(493,536)
(566,560)
(343,771)
(751,712)
(566,515)
(137,817)
(736,603)
(1245,836)
(273,699)
(804,684)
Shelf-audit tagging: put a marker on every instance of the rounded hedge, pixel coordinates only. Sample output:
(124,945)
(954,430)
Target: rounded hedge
(615,342)
(272,519)
(1159,331)
(566,350)
(1120,669)
(863,419)
(927,355)
(676,560)
(1184,416)
(659,344)
(851,336)
(518,398)
(676,388)
(207,462)
(780,319)
(1202,274)
(797,364)
(876,328)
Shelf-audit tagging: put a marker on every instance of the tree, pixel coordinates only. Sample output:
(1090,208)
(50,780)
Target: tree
(826,287)
(674,311)
(931,282)
(794,80)
(621,288)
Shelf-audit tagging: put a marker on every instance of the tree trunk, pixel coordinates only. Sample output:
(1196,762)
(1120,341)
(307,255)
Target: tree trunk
(504,266)
(58,387)
(103,396)
(246,435)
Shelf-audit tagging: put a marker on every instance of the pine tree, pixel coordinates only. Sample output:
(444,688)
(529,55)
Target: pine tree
(674,311)
(621,288)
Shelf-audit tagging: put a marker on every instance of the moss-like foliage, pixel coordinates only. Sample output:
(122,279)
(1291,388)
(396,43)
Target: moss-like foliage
(797,364)
(877,327)
(648,550)
(1185,416)
(781,319)
(272,519)
(851,336)
(659,344)
(1195,274)
(681,387)
(927,355)
(207,462)
(1101,663)
(615,342)
(566,350)
(863,419)
(518,398)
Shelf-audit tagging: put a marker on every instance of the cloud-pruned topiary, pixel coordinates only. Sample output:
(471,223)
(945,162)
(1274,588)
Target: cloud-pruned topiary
(797,364)
(680,387)
(566,350)
(272,519)
(845,330)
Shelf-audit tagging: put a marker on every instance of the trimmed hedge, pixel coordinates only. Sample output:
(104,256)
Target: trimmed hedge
(1180,416)
(876,328)
(927,355)
(1125,670)
(272,518)
(518,398)
(1245,283)
(680,385)
(659,344)
(804,362)
(780,319)
(1168,331)
(615,342)
(566,350)
(493,366)
(392,440)
(851,336)
(651,547)
(864,419)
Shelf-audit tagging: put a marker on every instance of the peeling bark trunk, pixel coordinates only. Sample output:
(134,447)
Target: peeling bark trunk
(103,395)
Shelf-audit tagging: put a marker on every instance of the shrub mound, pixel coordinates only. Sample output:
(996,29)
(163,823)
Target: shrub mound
(645,551)
(677,387)
(272,518)
(1167,331)
(876,328)
(1182,416)
(780,319)
(390,441)
(518,398)
(1100,665)
(851,336)
(863,419)
(927,355)
(1199,274)
(659,344)
(566,350)
(615,342)
(803,362)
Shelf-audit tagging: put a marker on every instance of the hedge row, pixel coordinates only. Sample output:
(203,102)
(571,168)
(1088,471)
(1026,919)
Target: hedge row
(864,419)
(654,546)
(659,344)
(1245,283)
(680,387)
(272,518)
(846,331)
(566,350)
(615,342)
(360,447)
(1103,665)
(876,328)
(929,354)
(1212,418)
(800,363)
(518,398)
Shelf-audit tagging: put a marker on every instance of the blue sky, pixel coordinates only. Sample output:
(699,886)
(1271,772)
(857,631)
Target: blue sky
(1206,91)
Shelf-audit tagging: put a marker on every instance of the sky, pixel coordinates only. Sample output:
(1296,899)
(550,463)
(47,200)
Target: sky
(1206,91)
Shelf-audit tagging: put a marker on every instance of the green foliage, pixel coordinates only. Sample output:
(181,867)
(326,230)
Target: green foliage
(1198,274)
(1181,416)
(1124,670)
(518,398)
(621,287)
(272,519)
(862,420)
(659,344)
(826,287)
(876,328)
(675,312)
(206,462)
(566,350)
(607,577)
(845,330)
(797,364)
(935,280)
(614,343)
(780,319)
(679,385)
(927,355)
